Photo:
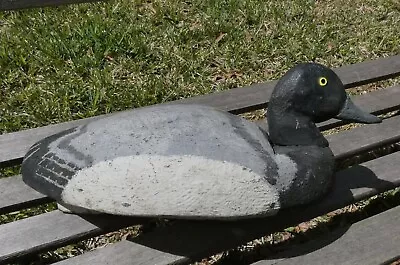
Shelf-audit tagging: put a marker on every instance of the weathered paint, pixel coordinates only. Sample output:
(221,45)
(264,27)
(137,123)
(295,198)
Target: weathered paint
(186,186)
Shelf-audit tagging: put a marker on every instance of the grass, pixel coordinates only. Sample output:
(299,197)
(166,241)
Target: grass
(29,212)
(60,64)
(9,171)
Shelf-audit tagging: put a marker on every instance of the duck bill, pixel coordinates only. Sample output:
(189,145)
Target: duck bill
(351,112)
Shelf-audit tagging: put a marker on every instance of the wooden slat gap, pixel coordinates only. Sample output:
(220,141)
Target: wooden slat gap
(365,156)
(25,205)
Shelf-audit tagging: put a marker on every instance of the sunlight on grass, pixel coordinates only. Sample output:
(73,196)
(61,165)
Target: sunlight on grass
(59,64)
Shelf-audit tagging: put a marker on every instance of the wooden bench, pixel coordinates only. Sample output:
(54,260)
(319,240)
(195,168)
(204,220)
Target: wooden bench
(374,240)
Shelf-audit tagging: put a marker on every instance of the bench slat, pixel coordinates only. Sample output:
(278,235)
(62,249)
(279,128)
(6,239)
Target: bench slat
(372,241)
(47,222)
(19,4)
(17,195)
(118,254)
(369,71)
(364,138)
(13,146)
(53,229)
(27,235)
(184,242)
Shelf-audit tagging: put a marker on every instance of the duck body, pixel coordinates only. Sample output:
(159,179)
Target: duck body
(191,161)
(161,160)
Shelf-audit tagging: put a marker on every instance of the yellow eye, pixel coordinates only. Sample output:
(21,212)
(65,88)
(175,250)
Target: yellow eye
(322,81)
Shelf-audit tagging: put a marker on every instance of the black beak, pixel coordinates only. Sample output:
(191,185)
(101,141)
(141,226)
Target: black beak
(351,112)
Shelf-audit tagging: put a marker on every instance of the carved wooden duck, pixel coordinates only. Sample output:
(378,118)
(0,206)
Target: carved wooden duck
(190,161)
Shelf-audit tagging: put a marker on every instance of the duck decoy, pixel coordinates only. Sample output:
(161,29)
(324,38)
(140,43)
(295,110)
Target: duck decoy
(197,162)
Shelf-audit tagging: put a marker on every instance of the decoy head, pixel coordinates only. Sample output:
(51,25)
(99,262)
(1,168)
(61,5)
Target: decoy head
(310,92)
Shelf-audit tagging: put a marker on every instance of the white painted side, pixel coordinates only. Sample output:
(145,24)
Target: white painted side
(185,186)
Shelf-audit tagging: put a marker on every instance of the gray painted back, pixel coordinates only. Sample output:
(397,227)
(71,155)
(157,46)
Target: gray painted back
(168,130)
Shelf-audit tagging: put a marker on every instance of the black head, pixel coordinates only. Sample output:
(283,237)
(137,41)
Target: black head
(306,94)
(312,90)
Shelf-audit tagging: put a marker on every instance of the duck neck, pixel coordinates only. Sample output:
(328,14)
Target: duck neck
(304,173)
(298,142)
(290,128)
